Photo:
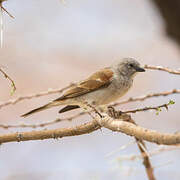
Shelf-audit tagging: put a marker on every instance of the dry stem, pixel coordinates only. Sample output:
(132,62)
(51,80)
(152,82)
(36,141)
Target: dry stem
(49,134)
(9,78)
(161,68)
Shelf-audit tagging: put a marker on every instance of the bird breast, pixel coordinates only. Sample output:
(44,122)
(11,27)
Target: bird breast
(108,94)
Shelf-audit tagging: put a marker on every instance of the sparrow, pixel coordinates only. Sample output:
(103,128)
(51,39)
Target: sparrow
(101,88)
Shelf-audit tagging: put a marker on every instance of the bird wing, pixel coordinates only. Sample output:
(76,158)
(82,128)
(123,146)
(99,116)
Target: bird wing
(97,80)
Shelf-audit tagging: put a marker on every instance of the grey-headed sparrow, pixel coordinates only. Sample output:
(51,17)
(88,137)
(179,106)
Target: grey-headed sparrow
(101,88)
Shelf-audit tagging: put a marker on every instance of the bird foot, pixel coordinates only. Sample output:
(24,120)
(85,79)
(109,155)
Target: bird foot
(118,114)
(113,113)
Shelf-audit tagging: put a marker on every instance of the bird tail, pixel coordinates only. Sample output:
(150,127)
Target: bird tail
(68,108)
(42,108)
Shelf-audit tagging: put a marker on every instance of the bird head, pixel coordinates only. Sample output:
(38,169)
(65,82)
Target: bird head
(128,67)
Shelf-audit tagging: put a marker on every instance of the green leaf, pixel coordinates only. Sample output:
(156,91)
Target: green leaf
(158,111)
(171,102)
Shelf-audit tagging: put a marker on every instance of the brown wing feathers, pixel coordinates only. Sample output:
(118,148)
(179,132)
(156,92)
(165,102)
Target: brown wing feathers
(97,80)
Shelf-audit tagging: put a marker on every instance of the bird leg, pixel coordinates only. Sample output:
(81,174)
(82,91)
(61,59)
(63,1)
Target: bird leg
(113,113)
(118,114)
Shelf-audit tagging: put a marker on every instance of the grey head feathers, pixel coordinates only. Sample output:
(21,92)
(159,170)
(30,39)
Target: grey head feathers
(128,67)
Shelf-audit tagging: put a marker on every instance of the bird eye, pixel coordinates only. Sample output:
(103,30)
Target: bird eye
(131,65)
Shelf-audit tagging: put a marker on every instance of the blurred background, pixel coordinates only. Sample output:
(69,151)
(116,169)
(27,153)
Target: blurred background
(50,44)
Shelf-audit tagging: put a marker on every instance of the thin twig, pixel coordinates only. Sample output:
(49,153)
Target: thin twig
(154,152)
(161,68)
(21,98)
(10,79)
(6,126)
(144,97)
(120,148)
(5,10)
(157,108)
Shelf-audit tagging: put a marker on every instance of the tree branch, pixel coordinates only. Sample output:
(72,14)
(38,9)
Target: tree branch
(21,98)
(144,97)
(49,134)
(9,78)
(157,108)
(7,126)
(107,122)
(146,160)
(161,68)
(139,132)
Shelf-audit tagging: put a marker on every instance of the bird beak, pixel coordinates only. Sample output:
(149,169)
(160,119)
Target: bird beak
(139,69)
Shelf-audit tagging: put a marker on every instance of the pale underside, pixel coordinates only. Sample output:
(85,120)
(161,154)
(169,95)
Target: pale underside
(99,89)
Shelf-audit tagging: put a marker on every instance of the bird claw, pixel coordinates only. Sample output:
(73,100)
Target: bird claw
(118,114)
(113,113)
